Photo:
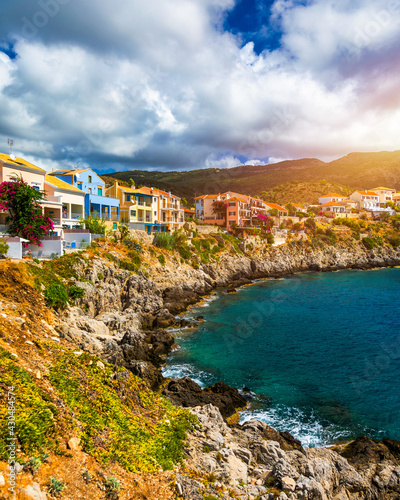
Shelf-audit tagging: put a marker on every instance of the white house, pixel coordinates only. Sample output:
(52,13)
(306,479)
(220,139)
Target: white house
(328,198)
(385,195)
(367,200)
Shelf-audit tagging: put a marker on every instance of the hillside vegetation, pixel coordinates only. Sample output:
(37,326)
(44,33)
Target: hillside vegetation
(356,170)
(303,192)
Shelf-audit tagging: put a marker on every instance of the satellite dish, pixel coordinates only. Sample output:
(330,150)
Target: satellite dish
(78,175)
(13,157)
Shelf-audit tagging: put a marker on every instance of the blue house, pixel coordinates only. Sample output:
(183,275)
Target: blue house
(97,203)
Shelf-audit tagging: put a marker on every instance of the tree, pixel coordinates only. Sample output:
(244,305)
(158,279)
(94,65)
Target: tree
(24,214)
(274,212)
(291,209)
(131,183)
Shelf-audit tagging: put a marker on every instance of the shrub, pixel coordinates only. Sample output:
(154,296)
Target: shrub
(4,247)
(56,296)
(56,487)
(369,243)
(185,252)
(112,488)
(161,259)
(75,292)
(135,258)
(395,242)
(94,224)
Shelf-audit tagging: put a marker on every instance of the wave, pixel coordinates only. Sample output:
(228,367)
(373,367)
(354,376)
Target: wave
(307,428)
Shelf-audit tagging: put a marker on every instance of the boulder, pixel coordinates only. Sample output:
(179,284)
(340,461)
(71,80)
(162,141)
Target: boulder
(185,392)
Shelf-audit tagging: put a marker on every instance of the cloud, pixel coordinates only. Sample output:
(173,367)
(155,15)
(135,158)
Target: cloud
(160,84)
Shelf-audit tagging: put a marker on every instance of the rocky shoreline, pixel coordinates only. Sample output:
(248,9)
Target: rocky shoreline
(122,319)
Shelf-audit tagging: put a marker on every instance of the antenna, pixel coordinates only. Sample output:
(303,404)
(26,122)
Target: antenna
(10,142)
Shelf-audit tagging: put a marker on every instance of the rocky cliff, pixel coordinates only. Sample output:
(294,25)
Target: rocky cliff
(121,318)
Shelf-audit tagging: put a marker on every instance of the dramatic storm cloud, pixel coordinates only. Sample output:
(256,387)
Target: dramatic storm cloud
(183,84)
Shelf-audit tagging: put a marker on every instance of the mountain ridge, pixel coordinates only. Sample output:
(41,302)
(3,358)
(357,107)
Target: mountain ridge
(356,170)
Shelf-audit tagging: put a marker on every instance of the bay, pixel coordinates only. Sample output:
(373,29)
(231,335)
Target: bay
(319,351)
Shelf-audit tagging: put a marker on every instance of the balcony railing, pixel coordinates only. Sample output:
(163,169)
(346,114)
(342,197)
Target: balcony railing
(56,221)
(143,204)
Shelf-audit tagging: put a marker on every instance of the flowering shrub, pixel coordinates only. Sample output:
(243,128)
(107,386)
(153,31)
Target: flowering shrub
(24,217)
(265,221)
(219,207)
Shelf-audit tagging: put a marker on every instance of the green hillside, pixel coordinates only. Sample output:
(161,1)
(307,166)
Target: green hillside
(356,170)
(303,192)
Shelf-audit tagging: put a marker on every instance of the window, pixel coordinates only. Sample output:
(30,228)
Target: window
(99,191)
(232,214)
(90,179)
(128,197)
(232,204)
(133,213)
(36,188)
(114,225)
(154,200)
(155,213)
(80,185)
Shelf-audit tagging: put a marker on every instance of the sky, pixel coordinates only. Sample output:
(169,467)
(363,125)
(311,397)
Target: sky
(185,84)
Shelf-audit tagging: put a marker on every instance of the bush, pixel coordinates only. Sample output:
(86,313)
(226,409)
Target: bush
(56,487)
(369,243)
(395,242)
(4,247)
(161,259)
(112,488)
(94,224)
(56,296)
(75,292)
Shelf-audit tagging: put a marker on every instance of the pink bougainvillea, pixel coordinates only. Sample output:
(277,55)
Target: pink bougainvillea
(24,214)
(264,221)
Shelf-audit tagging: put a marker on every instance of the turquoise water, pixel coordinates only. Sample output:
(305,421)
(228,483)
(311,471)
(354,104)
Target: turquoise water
(320,352)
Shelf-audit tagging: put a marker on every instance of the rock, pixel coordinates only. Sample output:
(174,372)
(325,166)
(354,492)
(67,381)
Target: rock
(238,469)
(186,393)
(31,492)
(2,481)
(101,365)
(364,451)
(74,444)
(38,375)
(20,321)
(287,483)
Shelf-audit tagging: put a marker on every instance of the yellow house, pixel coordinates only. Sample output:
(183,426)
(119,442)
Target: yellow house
(11,166)
(135,207)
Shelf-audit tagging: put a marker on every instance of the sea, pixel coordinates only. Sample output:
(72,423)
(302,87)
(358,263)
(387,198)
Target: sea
(319,352)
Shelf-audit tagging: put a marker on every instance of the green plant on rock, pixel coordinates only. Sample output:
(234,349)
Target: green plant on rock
(121,419)
(56,487)
(112,488)
(56,296)
(35,427)
(161,259)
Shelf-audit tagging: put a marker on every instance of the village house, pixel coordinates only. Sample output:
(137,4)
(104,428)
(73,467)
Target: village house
(396,198)
(281,211)
(327,198)
(11,166)
(167,208)
(333,209)
(72,198)
(97,203)
(385,195)
(367,200)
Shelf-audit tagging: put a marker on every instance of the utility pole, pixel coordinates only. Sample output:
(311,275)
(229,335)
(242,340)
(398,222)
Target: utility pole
(10,142)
